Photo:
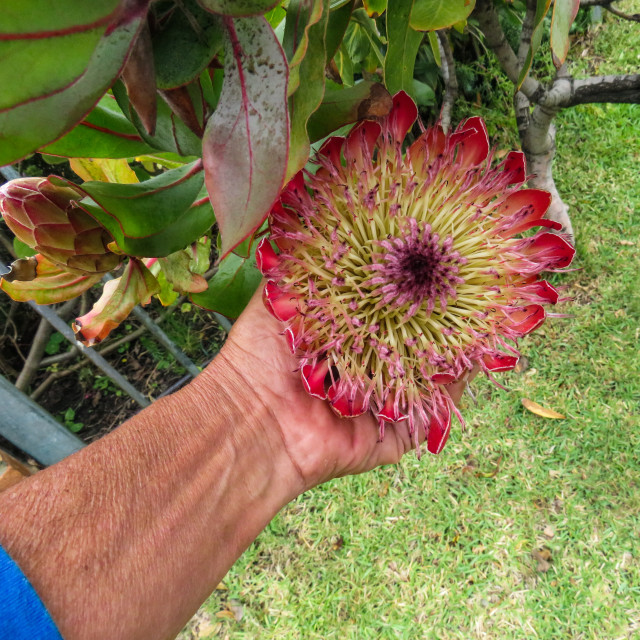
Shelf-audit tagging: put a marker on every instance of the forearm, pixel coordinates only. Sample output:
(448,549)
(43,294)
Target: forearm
(126,538)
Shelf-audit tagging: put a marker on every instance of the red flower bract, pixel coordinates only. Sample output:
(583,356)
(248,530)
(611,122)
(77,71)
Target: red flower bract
(395,273)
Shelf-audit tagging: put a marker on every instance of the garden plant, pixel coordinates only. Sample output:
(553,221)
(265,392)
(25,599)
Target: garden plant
(314,143)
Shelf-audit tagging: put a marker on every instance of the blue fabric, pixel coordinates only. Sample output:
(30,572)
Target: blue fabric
(22,614)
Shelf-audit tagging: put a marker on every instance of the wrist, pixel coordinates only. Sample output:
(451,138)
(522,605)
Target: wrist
(230,401)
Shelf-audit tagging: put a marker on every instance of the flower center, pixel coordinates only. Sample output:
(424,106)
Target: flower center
(416,269)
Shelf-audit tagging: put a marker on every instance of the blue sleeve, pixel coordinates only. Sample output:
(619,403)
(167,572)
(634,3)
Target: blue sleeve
(22,614)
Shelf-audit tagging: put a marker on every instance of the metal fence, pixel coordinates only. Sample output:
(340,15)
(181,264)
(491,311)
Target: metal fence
(30,428)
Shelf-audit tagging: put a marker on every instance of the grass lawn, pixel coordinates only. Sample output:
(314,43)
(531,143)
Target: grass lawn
(524,527)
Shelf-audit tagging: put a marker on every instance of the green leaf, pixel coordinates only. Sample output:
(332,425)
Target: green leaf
(231,287)
(338,22)
(275,16)
(430,15)
(239,8)
(22,250)
(171,134)
(166,293)
(56,340)
(32,59)
(33,16)
(302,15)
(344,65)
(27,124)
(306,39)
(246,140)
(178,270)
(542,6)
(193,32)
(375,8)
(564,13)
(51,284)
(368,28)
(435,47)
(156,217)
(402,49)
(345,106)
(104,133)
(425,95)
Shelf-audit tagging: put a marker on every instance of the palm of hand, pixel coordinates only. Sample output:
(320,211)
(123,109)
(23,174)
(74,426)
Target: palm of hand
(321,445)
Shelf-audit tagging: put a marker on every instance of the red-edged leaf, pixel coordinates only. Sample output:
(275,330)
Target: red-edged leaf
(189,29)
(139,76)
(81,77)
(246,141)
(51,284)
(104,133)
(564,13)
(239,8)
(171,133)
(156,217)
(135,286)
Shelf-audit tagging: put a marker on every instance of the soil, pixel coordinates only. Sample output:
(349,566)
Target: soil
(85,398)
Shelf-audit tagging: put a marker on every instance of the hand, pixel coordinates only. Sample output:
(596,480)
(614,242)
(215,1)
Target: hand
(320,444)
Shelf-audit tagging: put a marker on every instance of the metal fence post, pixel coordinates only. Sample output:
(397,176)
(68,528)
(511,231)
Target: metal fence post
(32,429)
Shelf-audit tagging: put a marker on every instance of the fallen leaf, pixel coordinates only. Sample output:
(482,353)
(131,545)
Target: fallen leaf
(235,606)
(539,410)
(627,243)
(225,614)
(548,532)
(10,477)
(522,365)
(543,558)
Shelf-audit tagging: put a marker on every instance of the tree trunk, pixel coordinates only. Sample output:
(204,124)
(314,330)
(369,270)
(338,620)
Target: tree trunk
(538,139)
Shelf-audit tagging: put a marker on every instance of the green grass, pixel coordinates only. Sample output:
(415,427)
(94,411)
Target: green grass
(446,547)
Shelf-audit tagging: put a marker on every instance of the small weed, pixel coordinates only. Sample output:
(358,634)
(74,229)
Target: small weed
(68,419)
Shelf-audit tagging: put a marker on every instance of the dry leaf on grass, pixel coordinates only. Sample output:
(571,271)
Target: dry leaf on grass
(543,557)
(539,410)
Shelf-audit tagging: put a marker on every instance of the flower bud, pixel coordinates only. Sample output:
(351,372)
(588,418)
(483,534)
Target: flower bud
(47,218)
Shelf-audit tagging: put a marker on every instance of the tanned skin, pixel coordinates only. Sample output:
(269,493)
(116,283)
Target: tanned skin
(126,538)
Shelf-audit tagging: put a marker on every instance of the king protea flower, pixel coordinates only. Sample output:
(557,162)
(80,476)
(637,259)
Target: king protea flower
(395,273)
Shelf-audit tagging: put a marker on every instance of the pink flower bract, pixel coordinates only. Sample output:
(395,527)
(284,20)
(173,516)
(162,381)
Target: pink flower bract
(394,273)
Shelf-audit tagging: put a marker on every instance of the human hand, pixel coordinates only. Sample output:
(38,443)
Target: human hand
(320,444)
